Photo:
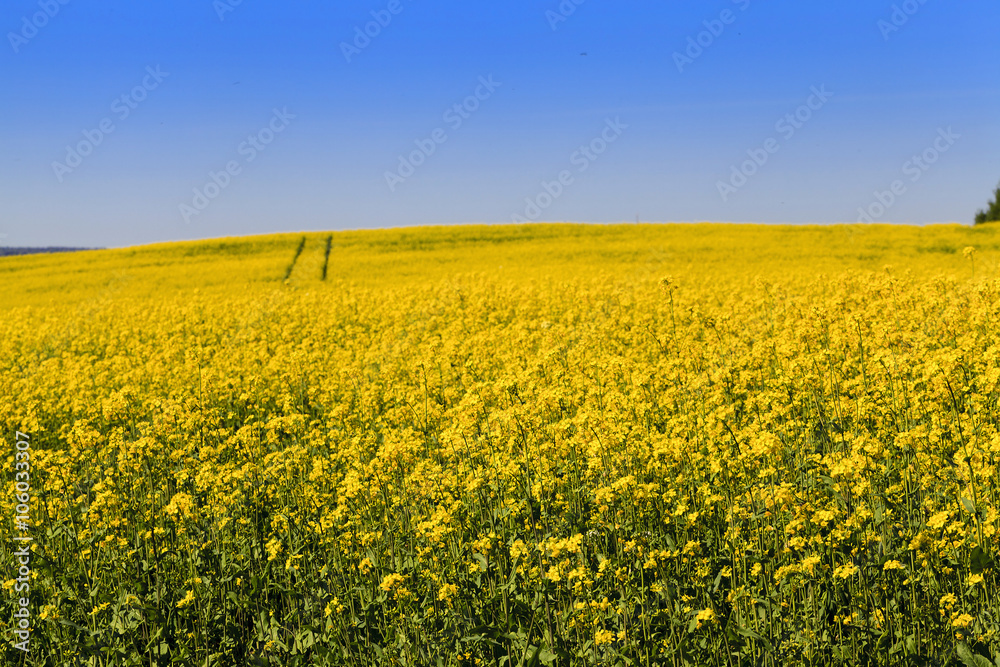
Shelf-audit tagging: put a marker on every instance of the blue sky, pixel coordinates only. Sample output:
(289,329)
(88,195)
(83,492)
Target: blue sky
(231,119)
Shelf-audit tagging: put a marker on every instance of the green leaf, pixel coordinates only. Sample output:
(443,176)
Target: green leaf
(305,639)
(533,662)
(980,560)
(969,506)
(482,561)
(750,634)
(83,629)
(969,658)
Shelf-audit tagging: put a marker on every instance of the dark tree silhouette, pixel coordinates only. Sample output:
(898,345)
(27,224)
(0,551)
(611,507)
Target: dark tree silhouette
(992,211)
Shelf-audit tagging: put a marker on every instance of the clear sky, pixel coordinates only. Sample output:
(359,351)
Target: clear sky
(136,122)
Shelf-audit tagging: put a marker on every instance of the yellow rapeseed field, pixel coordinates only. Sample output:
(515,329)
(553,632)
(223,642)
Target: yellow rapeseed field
(512,445)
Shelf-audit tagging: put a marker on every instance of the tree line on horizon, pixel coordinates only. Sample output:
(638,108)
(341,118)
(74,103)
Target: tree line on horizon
(992,211)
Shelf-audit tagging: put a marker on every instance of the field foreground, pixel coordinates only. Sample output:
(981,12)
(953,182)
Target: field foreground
(542,444)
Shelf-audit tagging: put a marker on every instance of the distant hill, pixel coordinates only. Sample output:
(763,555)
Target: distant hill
(4,252)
